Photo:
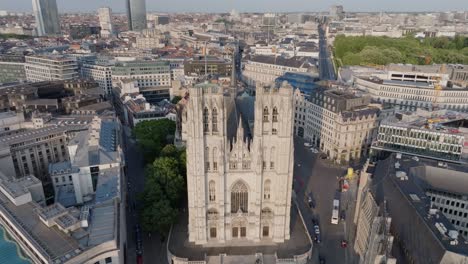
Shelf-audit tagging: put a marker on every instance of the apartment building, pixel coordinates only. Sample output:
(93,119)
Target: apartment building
(12,68)
(338,123)
(50,68)
(201,66)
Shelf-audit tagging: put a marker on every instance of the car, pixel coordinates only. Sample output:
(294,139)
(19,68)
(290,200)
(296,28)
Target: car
(307,144)
(343,215)
(314,221)
(310,201)
(415,158)
(317,234)
(344,243)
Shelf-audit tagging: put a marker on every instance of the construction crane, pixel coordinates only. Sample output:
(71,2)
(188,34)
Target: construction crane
(437,91)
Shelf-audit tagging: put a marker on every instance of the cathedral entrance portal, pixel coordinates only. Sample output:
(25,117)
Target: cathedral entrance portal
(239,228)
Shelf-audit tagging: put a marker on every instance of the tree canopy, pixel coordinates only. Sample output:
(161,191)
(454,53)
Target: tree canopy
(153,135)
(369,50)
(164,189)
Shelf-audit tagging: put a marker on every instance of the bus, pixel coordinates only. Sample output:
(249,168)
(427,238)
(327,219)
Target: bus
(335,212)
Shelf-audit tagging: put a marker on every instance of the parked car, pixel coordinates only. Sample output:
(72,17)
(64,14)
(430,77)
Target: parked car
(415,158)
(307,144)
(343,215)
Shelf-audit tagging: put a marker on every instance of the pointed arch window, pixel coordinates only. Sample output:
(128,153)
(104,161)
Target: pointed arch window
(272,158)
(265,114)
(215,159)
(267,190)
(212,191)
(214,120)
(239,198)
(275,114)
(205,120)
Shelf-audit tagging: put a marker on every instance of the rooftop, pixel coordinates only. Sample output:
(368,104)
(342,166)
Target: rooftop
(414,193)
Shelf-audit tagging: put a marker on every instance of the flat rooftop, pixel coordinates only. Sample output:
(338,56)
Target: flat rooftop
(298,244)
(51,241)
(415,194)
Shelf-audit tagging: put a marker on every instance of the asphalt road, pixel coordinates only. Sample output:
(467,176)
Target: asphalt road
(319,177)
(326,70)
(154,251)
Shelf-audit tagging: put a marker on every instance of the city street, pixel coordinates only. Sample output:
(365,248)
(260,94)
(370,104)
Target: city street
(326,70)
(153,250)
(319,177)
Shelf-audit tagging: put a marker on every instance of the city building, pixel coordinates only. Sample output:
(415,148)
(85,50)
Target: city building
(446,189)
(146,73)
(239,181)
(459,75)
(411,95)
(336,11)
(89,228)
(438,135)
(11,121)
(265,69)
(305,82)
(161,19)
(50,68)
(373,241)
(421,231)
(201,66)
(150,42)
(47,18)
(137,109)
(100,73)
(81,31)
(105,21)
(12,69)
(339,123)
(136,13)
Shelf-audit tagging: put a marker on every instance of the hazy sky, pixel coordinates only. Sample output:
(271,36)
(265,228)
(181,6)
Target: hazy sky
(249,5)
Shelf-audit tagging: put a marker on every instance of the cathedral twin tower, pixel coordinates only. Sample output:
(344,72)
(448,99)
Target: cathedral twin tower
(239,164)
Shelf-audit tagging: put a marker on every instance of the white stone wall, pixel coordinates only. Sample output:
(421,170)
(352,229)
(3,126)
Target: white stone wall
(272,146)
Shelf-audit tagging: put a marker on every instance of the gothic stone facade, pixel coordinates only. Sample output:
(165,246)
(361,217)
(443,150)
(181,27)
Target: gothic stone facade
(239,164)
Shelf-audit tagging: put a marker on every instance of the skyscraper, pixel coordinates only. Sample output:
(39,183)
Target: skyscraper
(105,21)
(136,12)
(47,19)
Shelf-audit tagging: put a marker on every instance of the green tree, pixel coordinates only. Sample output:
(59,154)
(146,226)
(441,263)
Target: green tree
(153,135)
(176,99)
(158,214)
(170,151)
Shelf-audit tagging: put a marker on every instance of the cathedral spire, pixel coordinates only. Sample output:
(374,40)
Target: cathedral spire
(240,130)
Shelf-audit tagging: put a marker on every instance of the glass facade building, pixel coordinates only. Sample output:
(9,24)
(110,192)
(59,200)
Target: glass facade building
(47,18)
(136,12)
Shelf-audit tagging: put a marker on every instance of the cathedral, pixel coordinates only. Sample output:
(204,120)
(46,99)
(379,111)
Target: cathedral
(240,157)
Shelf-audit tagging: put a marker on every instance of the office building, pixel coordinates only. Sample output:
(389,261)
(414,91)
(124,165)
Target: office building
(201,66)
(439,135)
(266,69)
(105,21)
(86,224)
(338,123)
(50,68)
(146,73)
(411,95)
(47,18)
(136,12)
(100,73)
(12,68)
(161,19)
(419,227)
(239,181)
